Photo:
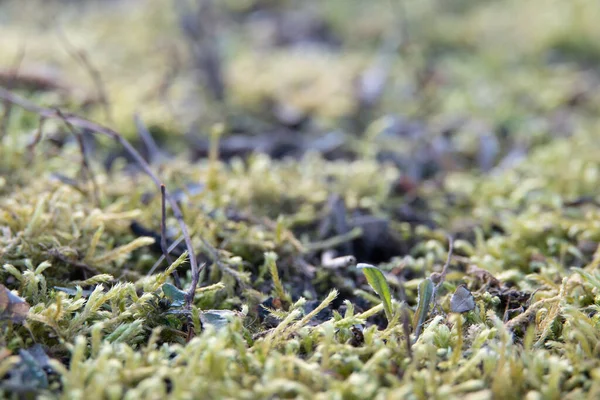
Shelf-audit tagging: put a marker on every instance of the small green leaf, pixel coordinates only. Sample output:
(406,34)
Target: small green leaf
(31,372)
(426,293)
(177,296)
(378,282)
(217,318)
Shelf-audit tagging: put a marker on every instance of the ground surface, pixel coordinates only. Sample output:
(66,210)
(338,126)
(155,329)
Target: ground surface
(288,135)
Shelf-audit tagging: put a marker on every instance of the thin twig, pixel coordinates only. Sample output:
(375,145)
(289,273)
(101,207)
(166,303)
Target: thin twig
(162,257)
(85,165)
(7,105)
(402,16)
(168,80)
(102,130)
(334,241)
(441,277)
(214,254)
(163,224)
(529,314)
(445,269)
(154,153)
(55,253)
(81,56)
(374,80)
(163,234)
(199,26)
(36,139)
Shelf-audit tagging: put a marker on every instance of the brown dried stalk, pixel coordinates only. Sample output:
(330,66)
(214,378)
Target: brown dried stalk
(80,122)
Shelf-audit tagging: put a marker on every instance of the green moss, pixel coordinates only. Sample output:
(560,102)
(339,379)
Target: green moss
(271,318)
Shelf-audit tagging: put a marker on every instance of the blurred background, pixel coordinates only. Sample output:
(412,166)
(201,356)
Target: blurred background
(428,86)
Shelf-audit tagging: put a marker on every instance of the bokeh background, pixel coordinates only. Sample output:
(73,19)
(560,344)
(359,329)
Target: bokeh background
(427,85)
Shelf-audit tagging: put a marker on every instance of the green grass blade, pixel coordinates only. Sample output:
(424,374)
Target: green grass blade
(426,293)
(378,282)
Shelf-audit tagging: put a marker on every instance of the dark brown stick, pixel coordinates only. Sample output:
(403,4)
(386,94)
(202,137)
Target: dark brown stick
(102,130)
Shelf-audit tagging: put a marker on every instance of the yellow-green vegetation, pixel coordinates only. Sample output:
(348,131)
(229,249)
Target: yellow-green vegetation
(402,129)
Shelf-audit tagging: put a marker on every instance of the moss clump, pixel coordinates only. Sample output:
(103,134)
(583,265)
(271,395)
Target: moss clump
(491,144)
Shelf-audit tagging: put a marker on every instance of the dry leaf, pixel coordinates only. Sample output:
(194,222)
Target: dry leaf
(12,306)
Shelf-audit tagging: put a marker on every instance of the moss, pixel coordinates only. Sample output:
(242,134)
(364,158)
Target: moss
(494,145)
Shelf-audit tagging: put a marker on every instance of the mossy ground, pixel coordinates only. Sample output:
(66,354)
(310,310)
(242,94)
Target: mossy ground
(485,131)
